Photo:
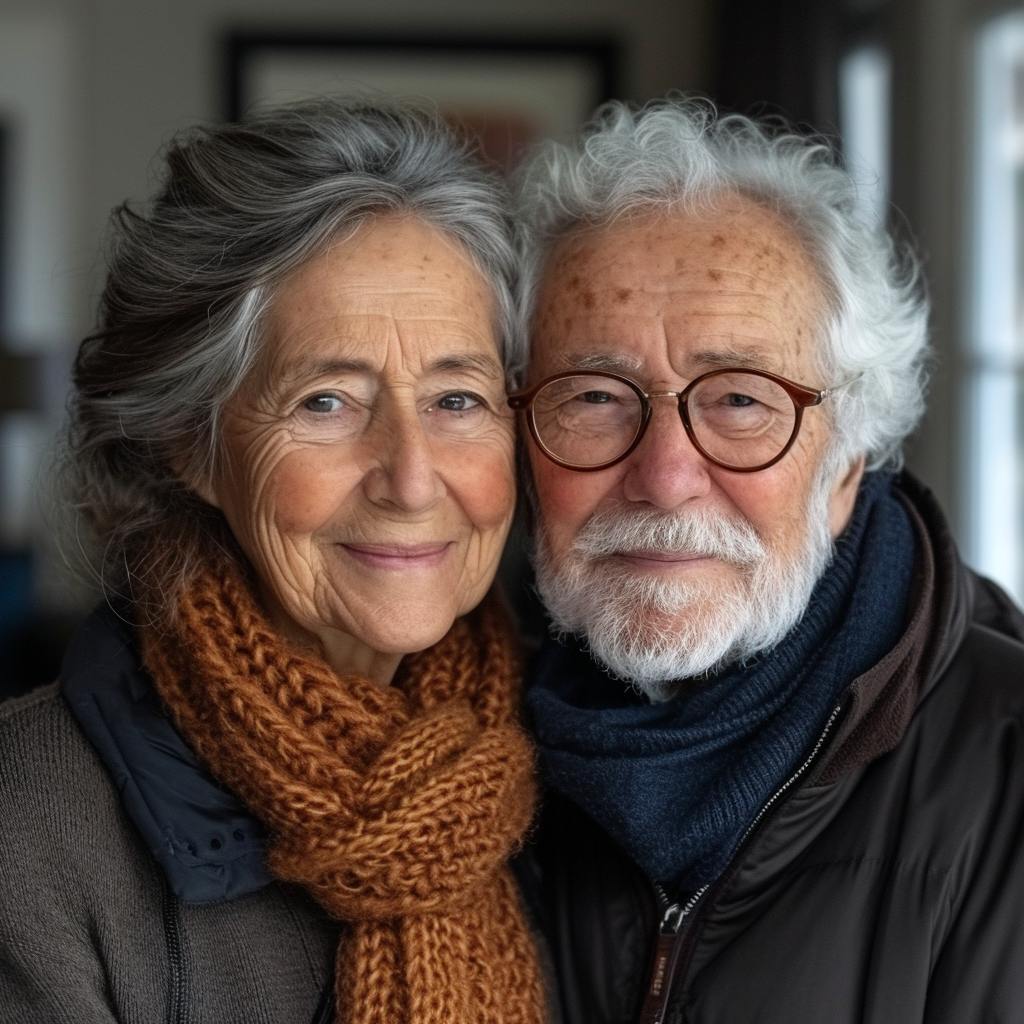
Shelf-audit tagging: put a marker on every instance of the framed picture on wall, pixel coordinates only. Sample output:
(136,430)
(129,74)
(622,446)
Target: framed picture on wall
(506,93)
(5,176)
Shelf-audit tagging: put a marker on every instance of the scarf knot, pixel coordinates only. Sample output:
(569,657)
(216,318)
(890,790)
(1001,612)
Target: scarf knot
(396,807)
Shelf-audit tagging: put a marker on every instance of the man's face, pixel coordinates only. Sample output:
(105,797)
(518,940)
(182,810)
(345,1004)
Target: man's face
(663,299)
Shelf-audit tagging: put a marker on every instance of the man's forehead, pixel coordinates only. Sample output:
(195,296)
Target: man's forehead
(738,231)
(734,288)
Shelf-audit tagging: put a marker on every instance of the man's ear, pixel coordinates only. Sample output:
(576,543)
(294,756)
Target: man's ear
(199,483)
(844,496)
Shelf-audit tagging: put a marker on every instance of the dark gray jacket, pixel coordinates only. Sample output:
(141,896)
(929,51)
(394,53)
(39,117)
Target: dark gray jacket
(883,885)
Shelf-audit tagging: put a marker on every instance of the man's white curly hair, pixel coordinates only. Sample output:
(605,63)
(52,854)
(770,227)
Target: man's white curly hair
(679,154)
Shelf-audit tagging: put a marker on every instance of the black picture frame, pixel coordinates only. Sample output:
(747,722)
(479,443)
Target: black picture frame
(244,49)
(5,229)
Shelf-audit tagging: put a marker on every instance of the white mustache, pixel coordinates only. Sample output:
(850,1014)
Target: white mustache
(701,532)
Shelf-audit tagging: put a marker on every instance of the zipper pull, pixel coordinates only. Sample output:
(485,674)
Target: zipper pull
(666,958)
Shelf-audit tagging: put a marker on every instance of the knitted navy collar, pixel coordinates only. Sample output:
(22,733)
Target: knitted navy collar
(678,783)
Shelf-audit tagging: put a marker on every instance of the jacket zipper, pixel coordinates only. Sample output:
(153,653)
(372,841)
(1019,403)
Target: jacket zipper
(670,939)
(666,955)
(176,958)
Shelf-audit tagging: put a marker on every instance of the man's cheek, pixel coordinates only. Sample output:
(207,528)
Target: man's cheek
(564,508)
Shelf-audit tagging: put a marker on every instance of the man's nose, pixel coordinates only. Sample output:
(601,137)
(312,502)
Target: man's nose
(666,469)
(404,475)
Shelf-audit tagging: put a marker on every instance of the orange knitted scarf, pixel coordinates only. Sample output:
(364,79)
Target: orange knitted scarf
(396,808)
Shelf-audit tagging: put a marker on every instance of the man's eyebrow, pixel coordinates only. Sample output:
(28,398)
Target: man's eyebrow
(615,362)
(719,358)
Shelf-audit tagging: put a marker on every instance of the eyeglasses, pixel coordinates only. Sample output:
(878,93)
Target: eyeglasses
(743,420)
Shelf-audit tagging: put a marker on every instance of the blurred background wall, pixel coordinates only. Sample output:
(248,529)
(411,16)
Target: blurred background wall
(91,89)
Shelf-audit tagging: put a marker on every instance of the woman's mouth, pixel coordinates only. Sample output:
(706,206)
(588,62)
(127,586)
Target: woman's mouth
(399,556)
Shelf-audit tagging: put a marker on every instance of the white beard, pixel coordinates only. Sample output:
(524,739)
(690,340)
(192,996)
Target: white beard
(654,632)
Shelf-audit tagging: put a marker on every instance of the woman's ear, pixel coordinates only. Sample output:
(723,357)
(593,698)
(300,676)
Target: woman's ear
(844,496)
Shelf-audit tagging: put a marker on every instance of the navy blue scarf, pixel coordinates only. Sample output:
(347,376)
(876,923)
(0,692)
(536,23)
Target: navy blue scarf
(677,784)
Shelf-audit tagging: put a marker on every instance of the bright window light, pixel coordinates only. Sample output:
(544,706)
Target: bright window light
(995,397)
(864,91)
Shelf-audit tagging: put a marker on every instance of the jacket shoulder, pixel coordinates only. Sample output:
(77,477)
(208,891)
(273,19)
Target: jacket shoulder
(43,751)
(60,812)
(993,608)
(988,670)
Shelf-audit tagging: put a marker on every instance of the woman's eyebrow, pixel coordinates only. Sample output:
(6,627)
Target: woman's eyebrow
(466,361)
(303,368)
(326,367)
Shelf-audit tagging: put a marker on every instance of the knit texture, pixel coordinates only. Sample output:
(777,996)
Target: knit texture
(395,807)
(677,784)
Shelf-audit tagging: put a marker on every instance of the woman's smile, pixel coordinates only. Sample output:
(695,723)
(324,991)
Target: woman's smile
(399,557)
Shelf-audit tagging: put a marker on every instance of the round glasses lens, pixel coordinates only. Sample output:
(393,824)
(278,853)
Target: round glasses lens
(741,419)
(587,420)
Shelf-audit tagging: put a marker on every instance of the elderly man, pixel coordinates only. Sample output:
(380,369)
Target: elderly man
(781,726)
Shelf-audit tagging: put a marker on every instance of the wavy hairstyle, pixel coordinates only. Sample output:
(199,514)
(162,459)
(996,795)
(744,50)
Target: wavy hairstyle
(190,279)
(678,154)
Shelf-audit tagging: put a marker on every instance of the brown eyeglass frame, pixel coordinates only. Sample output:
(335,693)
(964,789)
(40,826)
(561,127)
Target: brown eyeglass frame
(802,399)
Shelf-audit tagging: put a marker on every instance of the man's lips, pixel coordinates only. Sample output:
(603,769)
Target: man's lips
(661,559)
(399,556)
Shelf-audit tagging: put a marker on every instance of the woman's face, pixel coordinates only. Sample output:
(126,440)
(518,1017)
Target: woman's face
(367,466)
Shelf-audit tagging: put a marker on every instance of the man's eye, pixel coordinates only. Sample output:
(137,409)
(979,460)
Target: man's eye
(323,403)
(738,401)
(596,397)
(458,401)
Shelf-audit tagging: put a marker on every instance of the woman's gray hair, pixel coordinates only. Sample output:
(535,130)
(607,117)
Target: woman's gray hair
(678,154)
(190,279)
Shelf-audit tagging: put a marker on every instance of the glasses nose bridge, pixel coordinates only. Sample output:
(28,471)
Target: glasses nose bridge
(679,396)
(680,400)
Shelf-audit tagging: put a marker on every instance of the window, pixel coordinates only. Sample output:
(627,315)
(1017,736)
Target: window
(864,93)
(995,399)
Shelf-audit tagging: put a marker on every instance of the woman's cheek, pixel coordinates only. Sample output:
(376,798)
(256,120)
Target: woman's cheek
(306,490)
(486,487)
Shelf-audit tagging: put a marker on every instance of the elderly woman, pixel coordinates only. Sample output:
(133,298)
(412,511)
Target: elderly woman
(282,776)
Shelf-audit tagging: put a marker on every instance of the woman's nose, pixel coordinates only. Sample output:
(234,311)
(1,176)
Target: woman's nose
(404,475)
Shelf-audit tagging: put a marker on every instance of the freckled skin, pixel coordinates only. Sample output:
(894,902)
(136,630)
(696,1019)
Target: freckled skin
(390,320)
(733,284)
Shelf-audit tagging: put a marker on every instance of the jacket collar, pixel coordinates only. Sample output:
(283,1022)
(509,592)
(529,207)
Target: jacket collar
(208,845)
(879,704)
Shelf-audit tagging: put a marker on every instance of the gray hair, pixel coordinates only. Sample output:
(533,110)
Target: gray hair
(190,280)
(678,154)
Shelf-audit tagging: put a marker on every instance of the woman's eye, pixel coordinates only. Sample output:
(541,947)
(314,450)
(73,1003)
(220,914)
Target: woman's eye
(458,401)
(323,403)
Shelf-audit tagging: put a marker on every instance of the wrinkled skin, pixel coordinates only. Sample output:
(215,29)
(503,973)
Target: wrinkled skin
(663,298)
(369,542)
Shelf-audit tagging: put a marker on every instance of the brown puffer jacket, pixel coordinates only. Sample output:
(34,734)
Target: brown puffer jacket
(883,884)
